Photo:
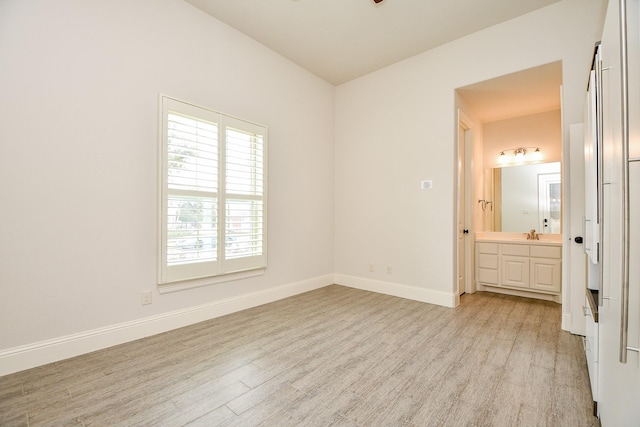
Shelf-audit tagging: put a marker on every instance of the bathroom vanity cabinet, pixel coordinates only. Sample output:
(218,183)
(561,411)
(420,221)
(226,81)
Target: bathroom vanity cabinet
(523,268)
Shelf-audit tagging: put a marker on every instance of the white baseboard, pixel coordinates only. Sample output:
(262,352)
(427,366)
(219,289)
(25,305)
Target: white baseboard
(40,353)
(446,299)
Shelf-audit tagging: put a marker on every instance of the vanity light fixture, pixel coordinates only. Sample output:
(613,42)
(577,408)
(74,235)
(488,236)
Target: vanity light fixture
(520,155)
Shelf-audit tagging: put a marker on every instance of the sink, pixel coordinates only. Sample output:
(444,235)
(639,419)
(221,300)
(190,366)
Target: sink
(518,238)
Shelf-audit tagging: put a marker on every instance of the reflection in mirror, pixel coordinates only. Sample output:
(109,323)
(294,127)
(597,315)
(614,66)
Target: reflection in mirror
(521,198)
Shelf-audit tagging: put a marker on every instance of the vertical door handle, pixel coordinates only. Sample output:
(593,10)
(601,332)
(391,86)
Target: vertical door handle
(624,77)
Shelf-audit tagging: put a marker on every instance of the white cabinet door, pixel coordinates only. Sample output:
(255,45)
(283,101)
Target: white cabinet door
(515,271)
(545,274)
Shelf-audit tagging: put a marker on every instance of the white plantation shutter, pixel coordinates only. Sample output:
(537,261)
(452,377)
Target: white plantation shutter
(244,192)
(213,213)
(244,195)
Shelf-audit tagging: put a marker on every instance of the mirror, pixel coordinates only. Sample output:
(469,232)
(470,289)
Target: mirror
(521,198)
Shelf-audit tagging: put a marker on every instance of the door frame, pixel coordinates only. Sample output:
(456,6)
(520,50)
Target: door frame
(465,123)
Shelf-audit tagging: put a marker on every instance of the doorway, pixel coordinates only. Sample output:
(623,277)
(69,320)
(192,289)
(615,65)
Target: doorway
(512,103)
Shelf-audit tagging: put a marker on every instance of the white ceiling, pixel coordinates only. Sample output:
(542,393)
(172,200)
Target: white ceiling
(339,40)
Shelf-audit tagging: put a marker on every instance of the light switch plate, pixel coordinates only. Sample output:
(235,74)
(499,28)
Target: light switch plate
(426,184)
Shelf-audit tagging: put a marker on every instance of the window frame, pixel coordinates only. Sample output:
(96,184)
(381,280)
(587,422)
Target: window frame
(222,268)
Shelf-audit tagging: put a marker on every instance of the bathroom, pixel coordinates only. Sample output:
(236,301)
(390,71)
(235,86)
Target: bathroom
(510,184)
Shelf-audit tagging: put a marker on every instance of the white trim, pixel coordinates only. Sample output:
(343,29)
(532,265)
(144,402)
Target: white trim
(566,324)
(464,122)
(446,299)
(40,353)
(207,281)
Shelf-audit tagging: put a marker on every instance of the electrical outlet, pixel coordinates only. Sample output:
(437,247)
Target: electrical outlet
(372,268)
(146,297)
(389,269)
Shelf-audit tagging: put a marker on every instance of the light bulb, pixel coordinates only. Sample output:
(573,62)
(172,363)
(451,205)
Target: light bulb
(503,158)
(537,155)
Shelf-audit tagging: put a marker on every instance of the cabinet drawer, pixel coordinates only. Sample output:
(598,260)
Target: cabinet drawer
(488,276)
(488,261)
(488,248)
(517,250)
(545,251)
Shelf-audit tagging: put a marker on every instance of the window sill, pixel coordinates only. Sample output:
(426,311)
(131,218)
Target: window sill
(166,288)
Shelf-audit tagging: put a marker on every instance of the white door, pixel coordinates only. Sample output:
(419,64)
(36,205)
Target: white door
(462,230)
(619,382)
(575,269)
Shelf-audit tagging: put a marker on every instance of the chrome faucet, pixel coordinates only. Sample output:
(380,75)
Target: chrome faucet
(532,235)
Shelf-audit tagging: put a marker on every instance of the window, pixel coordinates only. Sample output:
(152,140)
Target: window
(213,204)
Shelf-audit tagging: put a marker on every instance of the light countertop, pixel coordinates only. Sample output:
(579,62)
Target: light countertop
(518,238)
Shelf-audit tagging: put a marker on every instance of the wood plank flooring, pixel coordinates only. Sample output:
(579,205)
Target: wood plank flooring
(331,357)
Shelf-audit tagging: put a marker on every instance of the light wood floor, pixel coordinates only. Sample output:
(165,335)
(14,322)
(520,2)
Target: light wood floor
(334,356)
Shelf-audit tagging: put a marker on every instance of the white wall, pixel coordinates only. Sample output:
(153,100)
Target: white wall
(79,107)
(396,127)
(542,130)
(80,82)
